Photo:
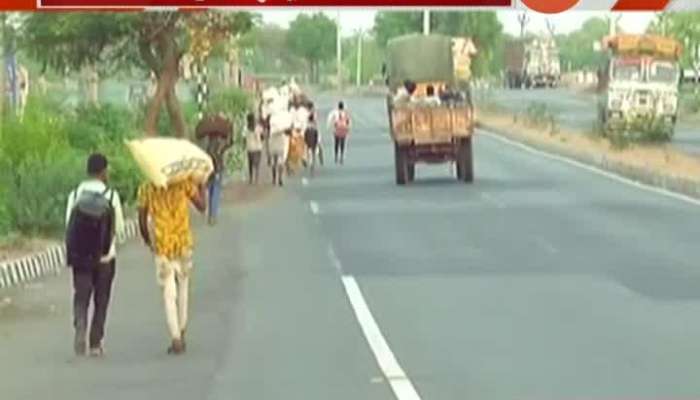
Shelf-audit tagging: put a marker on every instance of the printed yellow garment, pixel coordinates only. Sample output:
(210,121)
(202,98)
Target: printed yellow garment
(170,216)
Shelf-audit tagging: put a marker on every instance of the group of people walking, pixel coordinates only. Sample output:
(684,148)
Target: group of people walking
(286,130)
(286,125)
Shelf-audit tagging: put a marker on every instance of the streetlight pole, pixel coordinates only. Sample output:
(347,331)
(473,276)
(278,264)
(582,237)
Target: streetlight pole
(426,22)
(359,58)
(339,52)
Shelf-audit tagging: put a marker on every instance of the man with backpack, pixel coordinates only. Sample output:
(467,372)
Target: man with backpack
(339,120)
(94,218)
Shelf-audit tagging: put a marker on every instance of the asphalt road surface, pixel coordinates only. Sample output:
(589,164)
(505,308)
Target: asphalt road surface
(539,281)
(576,110)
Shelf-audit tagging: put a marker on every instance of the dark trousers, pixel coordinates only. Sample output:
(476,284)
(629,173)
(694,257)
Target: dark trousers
(91,284)
(254,165)
(339,147)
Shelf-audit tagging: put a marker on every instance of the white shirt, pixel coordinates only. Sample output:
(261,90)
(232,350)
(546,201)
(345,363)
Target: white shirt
(253,139)
(95,185)
(301,118)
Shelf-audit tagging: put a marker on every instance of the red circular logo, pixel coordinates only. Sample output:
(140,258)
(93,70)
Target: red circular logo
(550,6)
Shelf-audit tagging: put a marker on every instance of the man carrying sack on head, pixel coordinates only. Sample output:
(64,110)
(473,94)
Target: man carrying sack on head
(177,172)
(215,133)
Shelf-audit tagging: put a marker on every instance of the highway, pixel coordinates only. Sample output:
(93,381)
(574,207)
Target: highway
(577,111)
(539,281)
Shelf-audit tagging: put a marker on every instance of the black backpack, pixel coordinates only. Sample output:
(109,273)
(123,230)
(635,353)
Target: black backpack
(90,228)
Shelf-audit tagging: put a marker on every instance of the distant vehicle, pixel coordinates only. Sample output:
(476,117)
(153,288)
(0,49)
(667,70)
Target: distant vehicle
(639,84)
(425,132)
(532,63)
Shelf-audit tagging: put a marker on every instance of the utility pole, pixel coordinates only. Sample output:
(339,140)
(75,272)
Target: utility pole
(359,58)
(523,20)
(613,21)
(339,52)
(426,22)
(3,49)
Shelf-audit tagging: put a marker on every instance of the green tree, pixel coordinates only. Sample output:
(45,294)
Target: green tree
(154,41)
(268,53)
(576,49)
(389,24)
(684,27)
(313,38)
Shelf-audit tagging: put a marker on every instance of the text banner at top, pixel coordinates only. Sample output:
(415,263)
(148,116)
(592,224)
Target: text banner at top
(272,3)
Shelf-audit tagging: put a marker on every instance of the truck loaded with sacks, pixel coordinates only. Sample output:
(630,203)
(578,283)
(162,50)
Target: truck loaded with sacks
(431,116)
(638,86)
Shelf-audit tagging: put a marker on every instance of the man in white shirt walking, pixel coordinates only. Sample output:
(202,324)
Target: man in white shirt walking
(92,280)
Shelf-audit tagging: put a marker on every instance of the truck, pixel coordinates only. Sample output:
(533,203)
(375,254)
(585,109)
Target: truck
(532,63)
(638,86)
(430,133)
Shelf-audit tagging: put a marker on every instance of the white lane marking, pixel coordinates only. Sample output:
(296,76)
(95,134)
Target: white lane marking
(335,260)
(596,170)
(400,384)
(314,207)
(304,181)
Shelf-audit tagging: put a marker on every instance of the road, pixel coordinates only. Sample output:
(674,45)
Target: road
(539,281)
(576,110)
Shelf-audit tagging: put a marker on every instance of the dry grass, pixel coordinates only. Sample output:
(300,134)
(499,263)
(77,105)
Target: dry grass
(657,158)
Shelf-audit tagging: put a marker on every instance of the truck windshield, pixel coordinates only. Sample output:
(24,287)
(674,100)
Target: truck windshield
(663,72)
(627,70)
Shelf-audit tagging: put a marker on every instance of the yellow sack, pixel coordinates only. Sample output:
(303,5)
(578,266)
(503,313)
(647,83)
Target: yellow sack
(169,160)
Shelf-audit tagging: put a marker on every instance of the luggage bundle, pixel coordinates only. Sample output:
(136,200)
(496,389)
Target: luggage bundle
(165,161)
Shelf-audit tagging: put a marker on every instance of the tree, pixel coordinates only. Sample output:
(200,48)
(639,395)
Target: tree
(390,24)
(154,41)
(684,27)
(576,48)
(312,37)
(269,52)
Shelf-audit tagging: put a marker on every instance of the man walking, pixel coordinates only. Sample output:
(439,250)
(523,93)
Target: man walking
(94,218)
(172,242)
(339,121)
(215,133)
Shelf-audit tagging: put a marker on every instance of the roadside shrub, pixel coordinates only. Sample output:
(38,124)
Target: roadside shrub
(538,115)
(38,193)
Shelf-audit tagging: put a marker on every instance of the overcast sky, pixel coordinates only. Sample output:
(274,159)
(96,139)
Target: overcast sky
(352,20)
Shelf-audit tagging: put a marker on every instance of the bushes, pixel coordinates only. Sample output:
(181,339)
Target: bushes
(43,158)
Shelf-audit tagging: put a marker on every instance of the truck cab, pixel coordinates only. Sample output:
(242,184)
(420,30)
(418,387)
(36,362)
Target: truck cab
(639,85)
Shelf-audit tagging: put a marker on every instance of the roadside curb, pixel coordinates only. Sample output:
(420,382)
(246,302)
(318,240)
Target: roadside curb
(679,185)
(47,262)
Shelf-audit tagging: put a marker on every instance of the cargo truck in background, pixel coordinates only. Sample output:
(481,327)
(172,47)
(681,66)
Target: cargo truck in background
(425,132)
(638,86)
(532,63)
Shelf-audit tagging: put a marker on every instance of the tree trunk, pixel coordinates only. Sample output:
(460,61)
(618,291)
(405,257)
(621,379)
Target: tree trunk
(177,119)
(168,74)
(156,104)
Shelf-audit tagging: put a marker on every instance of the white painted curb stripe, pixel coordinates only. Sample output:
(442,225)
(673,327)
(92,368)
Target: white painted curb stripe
(47,262)
(400,384)
(590,168)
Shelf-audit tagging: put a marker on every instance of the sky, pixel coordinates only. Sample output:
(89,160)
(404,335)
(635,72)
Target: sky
(352,20)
